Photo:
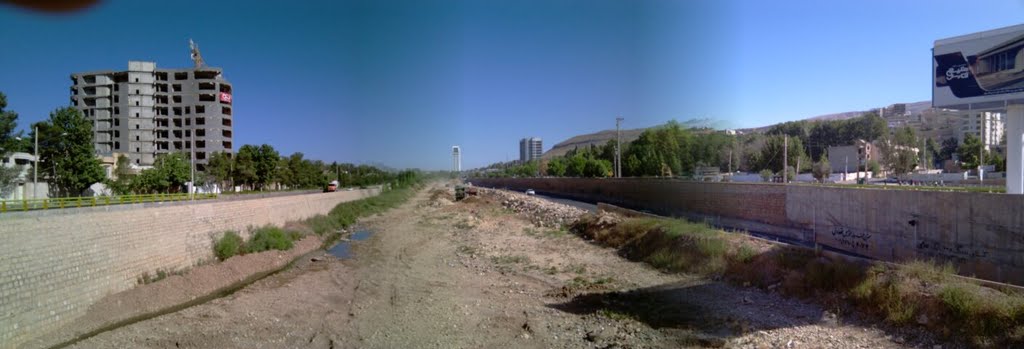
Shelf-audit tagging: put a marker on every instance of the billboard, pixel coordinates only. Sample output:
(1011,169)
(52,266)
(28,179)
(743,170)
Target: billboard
(979,71)
(225,97)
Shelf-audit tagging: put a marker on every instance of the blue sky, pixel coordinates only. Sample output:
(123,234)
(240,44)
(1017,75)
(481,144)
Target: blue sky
(398,82)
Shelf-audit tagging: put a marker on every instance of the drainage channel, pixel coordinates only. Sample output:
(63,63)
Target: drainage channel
(343,249)
(219,293)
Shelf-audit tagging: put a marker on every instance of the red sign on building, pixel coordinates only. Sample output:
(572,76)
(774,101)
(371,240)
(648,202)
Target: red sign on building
(225,97)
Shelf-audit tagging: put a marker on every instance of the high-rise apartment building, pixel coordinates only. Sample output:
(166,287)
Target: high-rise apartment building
(530,149)
(144,111)
(988,126)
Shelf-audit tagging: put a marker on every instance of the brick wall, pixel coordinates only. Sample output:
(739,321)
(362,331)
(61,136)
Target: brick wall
(53,266)
(981,234)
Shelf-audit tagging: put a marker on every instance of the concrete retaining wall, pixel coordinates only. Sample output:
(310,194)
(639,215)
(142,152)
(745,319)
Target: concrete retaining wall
(982,234)
(54,266)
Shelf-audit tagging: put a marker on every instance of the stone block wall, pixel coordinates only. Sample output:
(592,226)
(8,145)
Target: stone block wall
(54,265)
(981,234)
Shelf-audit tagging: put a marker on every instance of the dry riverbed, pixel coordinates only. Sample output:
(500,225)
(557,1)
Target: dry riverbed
(493,271)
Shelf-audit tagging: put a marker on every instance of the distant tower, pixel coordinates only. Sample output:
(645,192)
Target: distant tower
(456,159)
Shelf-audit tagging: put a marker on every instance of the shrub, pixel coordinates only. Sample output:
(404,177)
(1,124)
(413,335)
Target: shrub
(228,245)
(269,238)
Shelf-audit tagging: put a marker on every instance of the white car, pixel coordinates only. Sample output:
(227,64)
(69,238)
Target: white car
(530,192)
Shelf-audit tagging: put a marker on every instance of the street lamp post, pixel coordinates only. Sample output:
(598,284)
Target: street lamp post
(618,148)
(35,159)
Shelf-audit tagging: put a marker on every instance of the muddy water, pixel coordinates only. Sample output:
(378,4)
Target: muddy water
(343,249)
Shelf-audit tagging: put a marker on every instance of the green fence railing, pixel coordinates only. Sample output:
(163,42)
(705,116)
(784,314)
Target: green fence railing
(92,201)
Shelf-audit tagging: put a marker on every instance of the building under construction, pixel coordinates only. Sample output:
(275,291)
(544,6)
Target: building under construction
(145,111)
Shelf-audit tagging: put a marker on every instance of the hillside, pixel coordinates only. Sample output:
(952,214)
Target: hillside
(602,137)
(599,138)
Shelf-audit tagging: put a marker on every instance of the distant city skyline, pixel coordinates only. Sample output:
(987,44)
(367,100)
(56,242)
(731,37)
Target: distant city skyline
(397,83)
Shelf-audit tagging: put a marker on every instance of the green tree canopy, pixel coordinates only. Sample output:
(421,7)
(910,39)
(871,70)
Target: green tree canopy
(65,147)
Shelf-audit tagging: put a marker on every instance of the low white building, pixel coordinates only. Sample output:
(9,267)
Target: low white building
(22,187)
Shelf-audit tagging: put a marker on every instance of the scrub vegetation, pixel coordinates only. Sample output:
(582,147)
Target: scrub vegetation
(918,293)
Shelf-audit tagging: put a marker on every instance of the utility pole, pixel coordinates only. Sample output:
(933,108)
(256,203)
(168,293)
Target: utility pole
(35,168)
(981,149)
(192,164)
(785,159)
(618,148)
(846,168)
(730,161)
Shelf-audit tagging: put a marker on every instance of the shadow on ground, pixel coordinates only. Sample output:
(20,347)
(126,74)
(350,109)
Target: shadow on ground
(706,314)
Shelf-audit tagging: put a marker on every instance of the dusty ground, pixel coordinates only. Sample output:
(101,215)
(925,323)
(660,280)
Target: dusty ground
(475,275)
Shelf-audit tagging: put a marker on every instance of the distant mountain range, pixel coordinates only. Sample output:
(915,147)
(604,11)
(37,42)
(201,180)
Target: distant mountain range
(601,138)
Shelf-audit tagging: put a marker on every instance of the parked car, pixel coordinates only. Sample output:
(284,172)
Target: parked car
(530,192)
(331,187)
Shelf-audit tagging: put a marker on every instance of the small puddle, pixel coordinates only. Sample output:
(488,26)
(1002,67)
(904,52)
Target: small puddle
(343,250)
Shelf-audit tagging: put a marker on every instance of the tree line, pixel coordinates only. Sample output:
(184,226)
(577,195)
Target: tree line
(68,163)
(674,150)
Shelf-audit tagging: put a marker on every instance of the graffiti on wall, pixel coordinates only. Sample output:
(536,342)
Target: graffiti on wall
(849,238)
(954,251)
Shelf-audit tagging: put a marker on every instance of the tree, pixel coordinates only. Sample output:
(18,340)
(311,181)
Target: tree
(219,167)
(969,152)
(265,164)
(766,175)
(556,167)
(933,151)
(875,168)
(65,144)
(822,169)
(898,152)
(8,143)
(771,157)
(169,174)
(950,146)
(245,166)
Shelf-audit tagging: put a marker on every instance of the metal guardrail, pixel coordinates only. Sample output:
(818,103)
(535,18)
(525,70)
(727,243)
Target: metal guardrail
(93,201)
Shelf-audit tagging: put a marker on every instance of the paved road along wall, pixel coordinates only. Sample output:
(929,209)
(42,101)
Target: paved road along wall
(982,234)
(54,266)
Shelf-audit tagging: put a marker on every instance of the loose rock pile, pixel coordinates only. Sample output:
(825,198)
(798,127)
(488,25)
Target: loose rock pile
(542,213)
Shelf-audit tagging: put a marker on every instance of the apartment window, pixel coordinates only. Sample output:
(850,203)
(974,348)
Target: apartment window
(188,110)
(200,121)
(200,133)
(177,99)
(177,111)
(200,109)
(188,133)
(115,99)
(176,87)
(136,126)
(225,110)
(180,76)
(117,145)
(200,155)
(117,133)
(200,145)
(136,103)
(188,122)
(136,114)
(117,122)
(136,137)
(136,80)
(137,150)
